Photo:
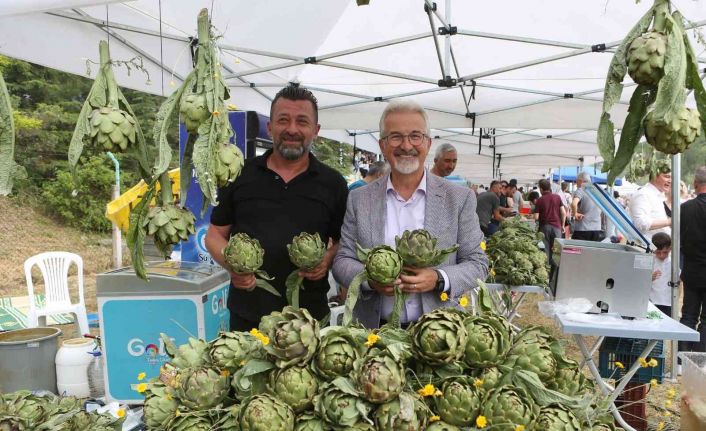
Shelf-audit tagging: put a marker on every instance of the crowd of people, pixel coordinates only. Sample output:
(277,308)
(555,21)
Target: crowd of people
(287,191)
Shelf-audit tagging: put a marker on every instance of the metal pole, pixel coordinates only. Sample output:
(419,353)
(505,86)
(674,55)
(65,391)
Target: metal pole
(676,245)
(447,59)
(117,235)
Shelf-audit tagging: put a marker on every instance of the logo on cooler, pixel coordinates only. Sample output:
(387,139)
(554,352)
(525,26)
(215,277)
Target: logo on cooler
(153,353)
(219,301)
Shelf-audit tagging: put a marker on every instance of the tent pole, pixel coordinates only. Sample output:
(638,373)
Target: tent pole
(676,245)
(447,58)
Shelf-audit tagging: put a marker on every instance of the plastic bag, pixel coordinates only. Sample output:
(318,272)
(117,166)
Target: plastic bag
(563,306)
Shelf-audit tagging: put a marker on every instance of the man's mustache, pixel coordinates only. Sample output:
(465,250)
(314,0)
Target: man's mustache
(406,153)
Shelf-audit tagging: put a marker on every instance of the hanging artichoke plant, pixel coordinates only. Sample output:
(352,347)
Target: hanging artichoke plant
(659,58)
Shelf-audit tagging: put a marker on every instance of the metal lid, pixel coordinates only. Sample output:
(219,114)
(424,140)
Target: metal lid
(617,215)
(174,268)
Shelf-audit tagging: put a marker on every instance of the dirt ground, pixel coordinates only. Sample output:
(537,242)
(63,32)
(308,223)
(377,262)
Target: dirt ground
(25,232)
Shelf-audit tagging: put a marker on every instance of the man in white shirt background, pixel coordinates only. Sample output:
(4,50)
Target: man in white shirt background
(647,208)
(661,292)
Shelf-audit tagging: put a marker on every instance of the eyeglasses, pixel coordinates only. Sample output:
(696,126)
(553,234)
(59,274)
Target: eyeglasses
(396,139)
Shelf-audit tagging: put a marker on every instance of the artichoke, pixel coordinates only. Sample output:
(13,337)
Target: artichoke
(30,409)
(439,337)
(673,133)
(194,421)
(645,58)
(382,264)
(488,341)
(246,383)
(338,404)
(11,423)
(405,413)
(193,354)
(231,349)
(201,388)
(295,386)
(228,164)
(490,378)
(193,111)
(336,354)
(459,402)
(442,426)
(169,224)
(505,407)
(555,417)
(228,419)
(568,379)
(266,413)
(379,378)
(362,426)
(532,355)
(113,129)
(244,254)
(310,422)
(160,406)
(306,250)
(418,249)
(294,337)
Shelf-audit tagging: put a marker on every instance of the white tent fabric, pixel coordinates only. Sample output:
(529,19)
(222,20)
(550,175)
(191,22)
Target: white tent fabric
(536,69)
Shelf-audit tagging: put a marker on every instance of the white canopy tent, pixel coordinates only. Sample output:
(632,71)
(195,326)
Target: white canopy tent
(521,82)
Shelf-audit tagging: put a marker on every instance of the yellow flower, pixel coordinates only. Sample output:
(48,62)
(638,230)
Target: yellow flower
(478,383)
(463,301)
(438,393)
(643,362)
(216,113)
(481,421)
(444,297)
(660,426)
(667,414)
(243,362)
(653,362)
(482,245)
(141,376)
(653,383)
(620,365)
(668,404)
(225,373)
(168,396)
(264,339)
(434,418)
(254,332)
(141,387)
(177,413)
(121,413)
(492,274)
(520,428)
(372,339)
(671,393)
(427,390)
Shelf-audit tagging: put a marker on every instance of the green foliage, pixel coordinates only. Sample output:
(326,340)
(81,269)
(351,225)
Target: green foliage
(83,207)
(336,155)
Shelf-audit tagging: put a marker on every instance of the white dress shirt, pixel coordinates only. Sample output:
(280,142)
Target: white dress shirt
(661,292)
(646,207)
(402,215)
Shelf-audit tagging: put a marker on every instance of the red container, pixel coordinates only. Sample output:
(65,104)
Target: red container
(633,406)
(525,210)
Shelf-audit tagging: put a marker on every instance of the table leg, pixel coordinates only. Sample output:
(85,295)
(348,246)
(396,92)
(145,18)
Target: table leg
(516,305)
(595,347)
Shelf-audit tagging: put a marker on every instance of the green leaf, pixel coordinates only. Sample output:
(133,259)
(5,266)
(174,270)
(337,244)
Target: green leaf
(7,140)
(618,65)
(83,127)
(256,366)
(485,302)
(693,79)
(394,319)
(352,298)
(136,231)
(631,132)
(293,283)
(140,149)
(169,345)
(361,253)
(204,163)
(670,91)
(185,173)
(262,284)
(606,140)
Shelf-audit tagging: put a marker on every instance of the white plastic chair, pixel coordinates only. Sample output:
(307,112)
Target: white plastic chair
(55,271)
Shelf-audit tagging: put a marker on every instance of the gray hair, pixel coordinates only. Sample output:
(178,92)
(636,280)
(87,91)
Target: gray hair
(378,169)
(443,149)
(700,176)
(403,106)
(584,176)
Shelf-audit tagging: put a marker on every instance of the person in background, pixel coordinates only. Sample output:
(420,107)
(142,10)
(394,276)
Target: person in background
(693,246)
(587,215)
(445,159)
(488,209)
(532,198)
(549,210)
(517,200)
(410,198)
(566,201)
(661,292)
(505,200)
(279,195)
(375,170)
(647,205)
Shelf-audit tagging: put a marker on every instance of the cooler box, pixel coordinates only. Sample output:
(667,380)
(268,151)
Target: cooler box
(182,299)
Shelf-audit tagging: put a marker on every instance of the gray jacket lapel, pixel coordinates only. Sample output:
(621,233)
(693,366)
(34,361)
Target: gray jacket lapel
(378,212)
(433,212)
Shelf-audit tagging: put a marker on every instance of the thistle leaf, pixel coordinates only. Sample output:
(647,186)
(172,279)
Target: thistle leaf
(136,232)
(631,133)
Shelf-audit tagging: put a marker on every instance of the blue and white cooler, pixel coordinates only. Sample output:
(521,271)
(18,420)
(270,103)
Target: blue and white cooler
(182,299)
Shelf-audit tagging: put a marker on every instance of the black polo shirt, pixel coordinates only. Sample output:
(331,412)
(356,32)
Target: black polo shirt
(693,242)
(260,204)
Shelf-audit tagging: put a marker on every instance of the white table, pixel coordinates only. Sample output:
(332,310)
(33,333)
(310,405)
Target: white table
(600,325)
(496,290)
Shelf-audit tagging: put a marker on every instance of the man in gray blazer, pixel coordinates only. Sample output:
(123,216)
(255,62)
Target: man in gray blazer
(410,198)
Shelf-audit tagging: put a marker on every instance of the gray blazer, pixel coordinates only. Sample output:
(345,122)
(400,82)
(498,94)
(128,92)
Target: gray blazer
(450,215)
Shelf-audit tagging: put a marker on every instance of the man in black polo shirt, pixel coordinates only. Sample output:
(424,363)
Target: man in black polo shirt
(278,195)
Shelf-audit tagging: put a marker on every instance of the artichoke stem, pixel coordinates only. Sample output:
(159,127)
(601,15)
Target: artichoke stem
(107,68)
(165,185)
(661,11)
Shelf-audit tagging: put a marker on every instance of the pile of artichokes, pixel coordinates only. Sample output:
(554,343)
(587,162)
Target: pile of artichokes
(451,370)
(22,410)
(514,257)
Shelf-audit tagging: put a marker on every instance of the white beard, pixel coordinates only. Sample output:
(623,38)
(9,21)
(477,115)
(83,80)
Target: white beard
(406,167)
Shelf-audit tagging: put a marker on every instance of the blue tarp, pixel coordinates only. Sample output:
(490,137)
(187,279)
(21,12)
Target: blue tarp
(569,174)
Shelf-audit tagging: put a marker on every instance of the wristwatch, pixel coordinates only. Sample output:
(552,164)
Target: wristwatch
(440,283)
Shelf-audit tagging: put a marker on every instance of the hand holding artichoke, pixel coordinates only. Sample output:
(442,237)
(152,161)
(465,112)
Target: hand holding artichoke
(306,252)
(245,255)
